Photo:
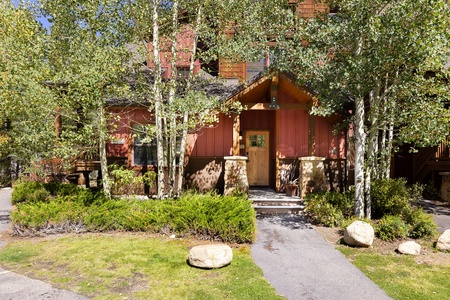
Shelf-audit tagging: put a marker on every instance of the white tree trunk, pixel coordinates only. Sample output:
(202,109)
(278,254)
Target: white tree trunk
(172,118)
(360,142)
(102,129)
(157,94)
(372,146)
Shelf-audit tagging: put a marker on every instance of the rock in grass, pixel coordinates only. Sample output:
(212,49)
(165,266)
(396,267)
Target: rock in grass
(443,243)
(410,247)
(210,256)
(360,234)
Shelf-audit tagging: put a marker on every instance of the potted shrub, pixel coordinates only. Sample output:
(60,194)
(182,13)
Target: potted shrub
(290,178)
(291,188)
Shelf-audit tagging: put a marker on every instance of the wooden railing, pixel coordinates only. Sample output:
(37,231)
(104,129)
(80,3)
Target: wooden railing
(427,156)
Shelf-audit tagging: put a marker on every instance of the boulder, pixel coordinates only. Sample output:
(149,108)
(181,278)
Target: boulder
(360,234)
(443,243)
(210,256)
(410,247)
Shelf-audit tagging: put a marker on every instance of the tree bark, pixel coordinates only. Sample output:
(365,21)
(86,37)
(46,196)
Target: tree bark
(157,94)
(103,129)
(360,142)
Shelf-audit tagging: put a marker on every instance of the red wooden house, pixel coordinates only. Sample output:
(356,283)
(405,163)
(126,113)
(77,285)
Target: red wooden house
(270,135)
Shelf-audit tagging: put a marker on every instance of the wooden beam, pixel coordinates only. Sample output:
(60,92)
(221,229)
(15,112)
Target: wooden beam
(311,135)
(236,130)
(287,106)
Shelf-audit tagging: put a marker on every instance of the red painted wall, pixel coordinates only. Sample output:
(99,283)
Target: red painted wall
(293,133)
(214,141)
(328,144)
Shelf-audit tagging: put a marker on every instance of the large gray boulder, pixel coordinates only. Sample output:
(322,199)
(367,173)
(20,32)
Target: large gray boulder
(443,243)
(360,234)
(210,256)
(410,247)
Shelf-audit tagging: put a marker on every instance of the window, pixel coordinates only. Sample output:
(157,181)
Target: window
(183,72)
(258,140)
(144,146)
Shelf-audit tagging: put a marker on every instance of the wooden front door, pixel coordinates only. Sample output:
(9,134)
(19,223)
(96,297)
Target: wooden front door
(257,147)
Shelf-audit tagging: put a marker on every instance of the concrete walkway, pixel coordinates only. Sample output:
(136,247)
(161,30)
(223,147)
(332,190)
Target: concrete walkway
(18,287)
(300,264)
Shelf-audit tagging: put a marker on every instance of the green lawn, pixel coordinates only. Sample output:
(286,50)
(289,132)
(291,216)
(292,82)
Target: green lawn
(401,276)
(127,266)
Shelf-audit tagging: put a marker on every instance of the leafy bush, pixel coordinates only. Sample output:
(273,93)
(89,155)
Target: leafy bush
(421,224)
(322,212)
(389,197)
(29,191)
(329,208)
(390,228)
(416,191)
(126,182)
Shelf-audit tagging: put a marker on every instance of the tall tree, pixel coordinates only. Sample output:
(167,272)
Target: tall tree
(88,58)
(370,54)
(26,106)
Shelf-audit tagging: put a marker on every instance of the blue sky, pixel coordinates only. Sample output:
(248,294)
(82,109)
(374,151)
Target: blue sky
(42,20)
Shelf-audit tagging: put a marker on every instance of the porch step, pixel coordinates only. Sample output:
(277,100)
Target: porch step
(278,206)
(277,202)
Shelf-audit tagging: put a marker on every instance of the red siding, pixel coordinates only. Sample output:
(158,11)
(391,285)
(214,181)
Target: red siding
(215,141)
(293,133)
(328,144)
(120,126)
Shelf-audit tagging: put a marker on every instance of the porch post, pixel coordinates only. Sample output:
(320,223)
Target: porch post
(235,174)
(236,130)
(311,135)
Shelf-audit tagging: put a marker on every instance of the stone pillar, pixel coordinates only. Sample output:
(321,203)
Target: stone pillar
(312,175)
(235,174)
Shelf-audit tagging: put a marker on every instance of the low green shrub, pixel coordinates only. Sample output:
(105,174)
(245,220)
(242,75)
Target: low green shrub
(29,191)
(421,224)
(62,189)
(389,197)
(322,212)
(390,228)
(230,219)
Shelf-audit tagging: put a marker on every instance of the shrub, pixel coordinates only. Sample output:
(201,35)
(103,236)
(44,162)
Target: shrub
(322,212)
(421,224)
(230,219)
(390,228)
(29,191)
(389,197)
(62,189)
(416,191)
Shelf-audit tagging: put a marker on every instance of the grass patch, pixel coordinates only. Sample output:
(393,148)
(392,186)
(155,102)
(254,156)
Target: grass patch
(134,267)
(401,276)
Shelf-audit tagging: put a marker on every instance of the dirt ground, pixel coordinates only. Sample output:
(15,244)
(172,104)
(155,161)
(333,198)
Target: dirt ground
(429,255)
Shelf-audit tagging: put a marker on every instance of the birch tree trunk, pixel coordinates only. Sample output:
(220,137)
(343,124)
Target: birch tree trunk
(157,94)
(360,143)
(103,129)
(172,118)
(372,146)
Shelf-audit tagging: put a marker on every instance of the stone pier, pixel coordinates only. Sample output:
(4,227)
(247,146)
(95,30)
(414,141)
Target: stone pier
(235,174)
